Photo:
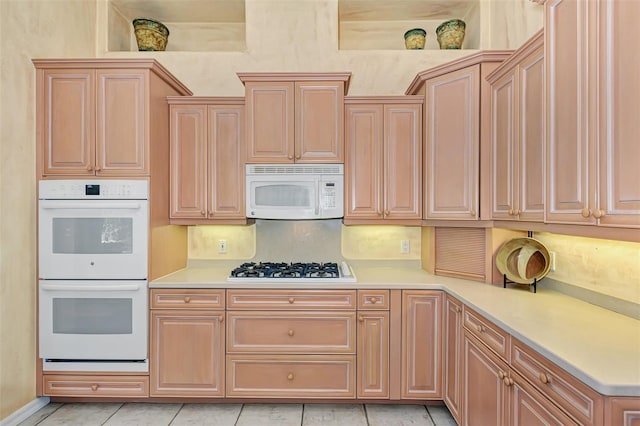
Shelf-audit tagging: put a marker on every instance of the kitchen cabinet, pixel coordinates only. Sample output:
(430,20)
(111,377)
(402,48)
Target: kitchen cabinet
(295,117)
(98,117)
(207,160)
(383,171)
(517,135)
(456,122)
(373,344)
(421,376)
(622,411)
(592,134)
(291,344)
(95,385)
(452,360)
(187,345)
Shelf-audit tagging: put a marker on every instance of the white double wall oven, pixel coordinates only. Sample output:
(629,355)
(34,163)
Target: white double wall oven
(93,266)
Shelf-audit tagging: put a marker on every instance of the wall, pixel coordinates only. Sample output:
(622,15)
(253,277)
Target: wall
(28,29)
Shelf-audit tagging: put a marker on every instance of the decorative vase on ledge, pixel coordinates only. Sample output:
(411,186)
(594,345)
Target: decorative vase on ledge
(450,34)
(150,34)
(414,38)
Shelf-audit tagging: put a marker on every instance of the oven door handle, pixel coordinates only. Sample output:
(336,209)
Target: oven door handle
(91,205)
(70,287)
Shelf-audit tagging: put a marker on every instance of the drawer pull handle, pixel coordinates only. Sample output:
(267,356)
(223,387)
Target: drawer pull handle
(290,376)
(480,328)
(187,299)
(291,333)
(291,300)
(373,300)
(361,318)
(543,378)
(94,387)
(501,375)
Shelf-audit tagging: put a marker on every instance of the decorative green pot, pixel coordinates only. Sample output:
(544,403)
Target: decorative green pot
(450,34)
(150,34)
(414,38)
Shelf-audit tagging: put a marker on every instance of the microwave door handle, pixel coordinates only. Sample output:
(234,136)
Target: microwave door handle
(71,287)
(91,205)
(318,187)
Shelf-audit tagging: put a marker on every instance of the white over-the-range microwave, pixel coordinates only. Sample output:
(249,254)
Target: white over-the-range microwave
(295,191)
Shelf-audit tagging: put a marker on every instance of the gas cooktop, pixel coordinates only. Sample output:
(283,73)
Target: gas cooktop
(292,272)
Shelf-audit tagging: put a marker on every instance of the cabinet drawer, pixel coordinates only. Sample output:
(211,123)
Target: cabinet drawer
(577,399)
(291,299)
(373,299)
(488,333)
(98,386)
(291,332)
(280,376)
(187,298)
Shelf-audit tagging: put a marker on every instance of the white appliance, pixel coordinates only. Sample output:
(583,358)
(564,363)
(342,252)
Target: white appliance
(92,263)
(93,229)
(295,191)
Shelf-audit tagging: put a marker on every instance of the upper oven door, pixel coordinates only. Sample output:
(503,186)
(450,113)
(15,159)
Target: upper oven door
(282,197)
(93,239)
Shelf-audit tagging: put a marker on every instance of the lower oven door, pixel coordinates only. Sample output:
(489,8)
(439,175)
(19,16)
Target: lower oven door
(93,320)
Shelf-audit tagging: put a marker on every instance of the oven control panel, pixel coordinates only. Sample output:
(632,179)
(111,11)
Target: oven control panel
(93,189)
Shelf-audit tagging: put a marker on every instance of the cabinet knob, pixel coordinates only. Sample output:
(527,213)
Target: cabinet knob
(187,299)
(598,213)
(473,213)
(379,212)
(510,212)
(98,169)
(291,300)
(361,318)
(298,157)
(458,309)
(543,378)
(586,212)
(386,213)
(516,212)
(373,300)
(501,375)
(290,376)
(94,387)
(202,212)
(290,333)
(290,157)
(221,318)
(89,168)
(480,328)
(507,381)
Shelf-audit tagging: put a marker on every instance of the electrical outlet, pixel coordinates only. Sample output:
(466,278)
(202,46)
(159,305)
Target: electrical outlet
(222,246)
(552,260)
(404,246)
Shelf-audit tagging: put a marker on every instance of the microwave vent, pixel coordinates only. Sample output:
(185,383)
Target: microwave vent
(295,169)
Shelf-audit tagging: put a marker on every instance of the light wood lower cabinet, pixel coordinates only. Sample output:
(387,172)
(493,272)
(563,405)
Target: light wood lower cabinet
(421,349)
(373,354)
(291,376)
(187,344)
(453,356)
(624,411)
(95,386)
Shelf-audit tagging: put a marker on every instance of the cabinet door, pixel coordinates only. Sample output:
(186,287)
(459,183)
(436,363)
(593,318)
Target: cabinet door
(485,397)
(402,162)
(270,122)
(373,354)
(225,159)
(68,133)
(530,408)
(319,122)
(619,136)
(568,111)
(504,131)
(187,353)
(363,165)
(452,356)
(530,149)
(452,138)
(188,161)
(122,123)
(421,345)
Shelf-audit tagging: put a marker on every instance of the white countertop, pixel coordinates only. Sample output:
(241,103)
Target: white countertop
(597,346)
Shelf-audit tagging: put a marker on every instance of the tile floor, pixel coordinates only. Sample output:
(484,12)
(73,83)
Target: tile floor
(153,414)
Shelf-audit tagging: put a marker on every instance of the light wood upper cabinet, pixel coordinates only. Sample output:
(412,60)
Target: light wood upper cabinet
(421,376)
(383,173)
(207,173)
(517,135)
(293,117)
(96,117)
(592,134)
